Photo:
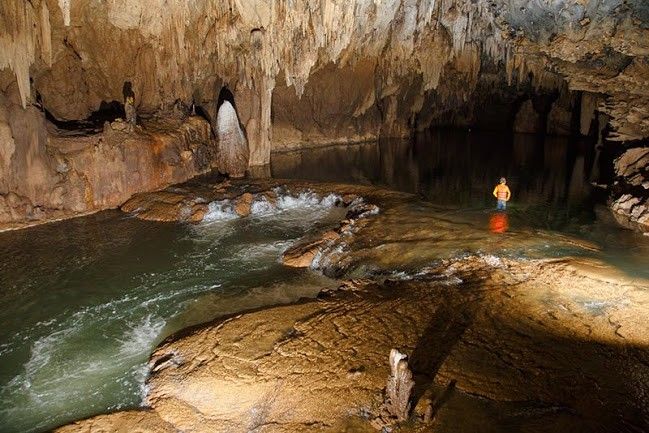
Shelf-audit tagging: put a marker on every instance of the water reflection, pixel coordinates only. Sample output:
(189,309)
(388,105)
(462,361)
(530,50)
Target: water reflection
(498,222)
(549,177)
(456,168)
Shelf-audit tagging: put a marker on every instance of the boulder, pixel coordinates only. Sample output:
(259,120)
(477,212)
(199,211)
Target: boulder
(243,204)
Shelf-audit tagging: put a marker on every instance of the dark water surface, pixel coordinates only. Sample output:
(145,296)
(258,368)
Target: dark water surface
(551,180)
(83,302)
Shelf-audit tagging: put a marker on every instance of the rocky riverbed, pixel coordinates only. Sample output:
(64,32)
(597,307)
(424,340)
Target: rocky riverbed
(495,343)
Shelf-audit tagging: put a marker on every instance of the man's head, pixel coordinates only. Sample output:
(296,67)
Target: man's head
(503,180)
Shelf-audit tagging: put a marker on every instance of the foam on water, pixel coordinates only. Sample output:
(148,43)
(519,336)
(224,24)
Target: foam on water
(141,337)
(90,355)
(223,210)
(253,252)
(220,211)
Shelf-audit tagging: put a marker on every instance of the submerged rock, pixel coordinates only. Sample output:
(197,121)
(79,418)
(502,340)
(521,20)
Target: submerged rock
(302,254)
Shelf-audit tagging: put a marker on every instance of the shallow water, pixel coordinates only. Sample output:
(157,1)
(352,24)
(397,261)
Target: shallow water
(551,179)
(84,301)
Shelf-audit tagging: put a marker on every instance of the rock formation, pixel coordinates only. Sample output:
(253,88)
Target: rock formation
(540,345)
(630,199)
(315,72)
(233,152)
(48,175)
(398,392)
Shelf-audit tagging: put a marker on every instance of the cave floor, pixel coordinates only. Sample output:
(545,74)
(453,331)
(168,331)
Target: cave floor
(531,320)
(497,342)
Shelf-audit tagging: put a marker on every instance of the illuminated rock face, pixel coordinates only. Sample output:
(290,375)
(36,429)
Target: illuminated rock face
(233,147)
(316,72)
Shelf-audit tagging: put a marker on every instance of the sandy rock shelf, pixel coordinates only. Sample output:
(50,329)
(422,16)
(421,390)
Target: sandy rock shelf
(536,346)
(495,344)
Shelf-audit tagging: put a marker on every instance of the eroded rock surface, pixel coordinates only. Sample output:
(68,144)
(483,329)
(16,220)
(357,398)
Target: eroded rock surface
(49,176)
(494,344)
(631,191)
(123,422)
(543,346)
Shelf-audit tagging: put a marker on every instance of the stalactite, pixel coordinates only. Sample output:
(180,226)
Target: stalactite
(65,5)
(190,42)
(589,103)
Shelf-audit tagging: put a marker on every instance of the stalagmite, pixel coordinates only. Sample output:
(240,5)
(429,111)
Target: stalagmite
(399,388)
(233,152)
(398,392)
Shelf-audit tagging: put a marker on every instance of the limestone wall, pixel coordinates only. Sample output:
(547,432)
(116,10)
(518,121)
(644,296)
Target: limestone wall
(315,72)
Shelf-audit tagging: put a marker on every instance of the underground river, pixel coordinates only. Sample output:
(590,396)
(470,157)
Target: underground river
(84,302)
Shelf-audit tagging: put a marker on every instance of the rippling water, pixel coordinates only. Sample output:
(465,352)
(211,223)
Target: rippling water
(84,301)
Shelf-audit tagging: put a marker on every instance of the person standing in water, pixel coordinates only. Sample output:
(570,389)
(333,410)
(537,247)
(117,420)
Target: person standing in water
(502,194)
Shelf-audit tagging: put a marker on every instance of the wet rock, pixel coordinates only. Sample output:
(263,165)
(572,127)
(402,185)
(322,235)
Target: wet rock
(511,335)
(166,206)
(301,256)
(243,204)
(360,210)
(142,421)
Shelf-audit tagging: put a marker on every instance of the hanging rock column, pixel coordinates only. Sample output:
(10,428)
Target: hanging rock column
(258,126)
(233,151)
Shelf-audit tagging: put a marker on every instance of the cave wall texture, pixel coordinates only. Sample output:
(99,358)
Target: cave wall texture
(302,72)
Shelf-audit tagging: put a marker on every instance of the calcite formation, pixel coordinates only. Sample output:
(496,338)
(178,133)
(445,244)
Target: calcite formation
(318,71)
(46,177)
(233,148)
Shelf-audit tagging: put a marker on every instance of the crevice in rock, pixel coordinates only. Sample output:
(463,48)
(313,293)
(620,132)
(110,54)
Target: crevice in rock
(93,124)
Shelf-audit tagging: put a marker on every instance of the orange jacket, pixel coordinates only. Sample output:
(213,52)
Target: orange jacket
(502,192)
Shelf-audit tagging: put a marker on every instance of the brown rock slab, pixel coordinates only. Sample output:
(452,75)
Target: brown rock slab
(504,336)
(302,254)
(243,204)
(142,421)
